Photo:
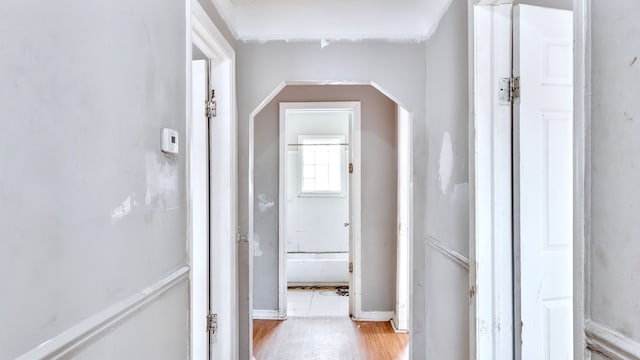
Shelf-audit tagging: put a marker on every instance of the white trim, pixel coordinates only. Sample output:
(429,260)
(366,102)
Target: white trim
(355,213)
(492,2)
(581,172)
(610,343)
(204,34)
(354,192)
(453,255)
(63,344)
(404,215)
(282,208)
(395,328)
(490,276)
(375,316)
(268,315)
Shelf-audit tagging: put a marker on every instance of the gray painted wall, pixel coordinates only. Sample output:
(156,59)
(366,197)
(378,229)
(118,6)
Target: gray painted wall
(397,67)
(615,156)
(379,174)
(91,211)
(447,214)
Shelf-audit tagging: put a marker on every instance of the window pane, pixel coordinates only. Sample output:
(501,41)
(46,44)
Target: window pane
(308,156)
(335,181)
(309,171)
(322,155)
(334,156)
(308,185)
(322,171)
(322,184)
(322,165)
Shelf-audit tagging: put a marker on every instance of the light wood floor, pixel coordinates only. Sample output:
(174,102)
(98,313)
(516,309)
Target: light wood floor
(327,339)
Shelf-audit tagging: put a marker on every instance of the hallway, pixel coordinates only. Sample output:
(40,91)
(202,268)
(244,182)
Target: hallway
(143,216)
(327,339)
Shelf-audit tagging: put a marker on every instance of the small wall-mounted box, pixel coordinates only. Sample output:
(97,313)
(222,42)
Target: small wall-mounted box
(169,141)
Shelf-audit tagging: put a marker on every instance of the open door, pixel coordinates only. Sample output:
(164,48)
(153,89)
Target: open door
(543,198)
(199,189)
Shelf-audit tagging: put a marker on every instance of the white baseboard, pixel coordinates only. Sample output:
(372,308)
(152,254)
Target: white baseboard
(374,316)
(94,326)
(395,329)
(610,343)
(268,315)
(316,284)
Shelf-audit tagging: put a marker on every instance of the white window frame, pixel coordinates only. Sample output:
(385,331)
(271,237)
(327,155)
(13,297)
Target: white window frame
(343,167)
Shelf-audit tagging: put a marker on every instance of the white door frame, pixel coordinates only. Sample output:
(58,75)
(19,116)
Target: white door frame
(202,32)
(404,232)
(490,203)
(354,205)
(484,68)
(581,172)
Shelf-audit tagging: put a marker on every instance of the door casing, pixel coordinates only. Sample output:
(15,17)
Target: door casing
(354,200)
(202,32)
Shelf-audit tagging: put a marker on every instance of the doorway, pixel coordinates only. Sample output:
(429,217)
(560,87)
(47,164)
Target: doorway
(212,189)
(522,198)
(378,175)
(319,215)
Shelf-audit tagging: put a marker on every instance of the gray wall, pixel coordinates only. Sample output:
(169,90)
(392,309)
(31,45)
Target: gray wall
(397,67)
(447,214)
(91,211)
(379,174)
(615,164)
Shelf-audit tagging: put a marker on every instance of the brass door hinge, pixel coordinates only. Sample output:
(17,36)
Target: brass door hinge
(212,324)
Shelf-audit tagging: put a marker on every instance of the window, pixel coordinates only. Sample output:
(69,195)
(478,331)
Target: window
(322,164)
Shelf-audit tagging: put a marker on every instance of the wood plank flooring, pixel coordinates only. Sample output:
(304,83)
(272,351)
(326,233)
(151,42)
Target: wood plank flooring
(336,338)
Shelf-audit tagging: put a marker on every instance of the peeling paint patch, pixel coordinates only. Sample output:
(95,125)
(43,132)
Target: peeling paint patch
(257,251)
(264,205)
(446,163)
(124,208)
(162,182)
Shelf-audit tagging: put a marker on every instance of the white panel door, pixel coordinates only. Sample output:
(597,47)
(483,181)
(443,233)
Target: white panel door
(543,120)
(199,188)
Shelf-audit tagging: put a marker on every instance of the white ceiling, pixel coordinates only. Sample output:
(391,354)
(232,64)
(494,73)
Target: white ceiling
(332,19)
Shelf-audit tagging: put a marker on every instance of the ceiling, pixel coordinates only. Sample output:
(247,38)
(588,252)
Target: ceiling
(264,20)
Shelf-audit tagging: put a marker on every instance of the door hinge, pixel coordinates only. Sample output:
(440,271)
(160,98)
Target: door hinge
(350,168)
(212,105)
(212,323)
(350,267)
(509,90)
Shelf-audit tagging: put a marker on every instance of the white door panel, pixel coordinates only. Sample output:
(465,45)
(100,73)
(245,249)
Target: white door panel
(543,60)
(200,224)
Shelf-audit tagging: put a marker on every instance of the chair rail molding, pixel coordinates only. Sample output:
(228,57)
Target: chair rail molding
(610,343)
(457,257)
(83,332)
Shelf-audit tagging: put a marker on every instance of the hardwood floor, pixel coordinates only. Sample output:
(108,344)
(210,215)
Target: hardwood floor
(327,339)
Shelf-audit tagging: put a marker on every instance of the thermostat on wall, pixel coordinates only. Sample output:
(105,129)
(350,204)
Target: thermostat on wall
(169,141)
